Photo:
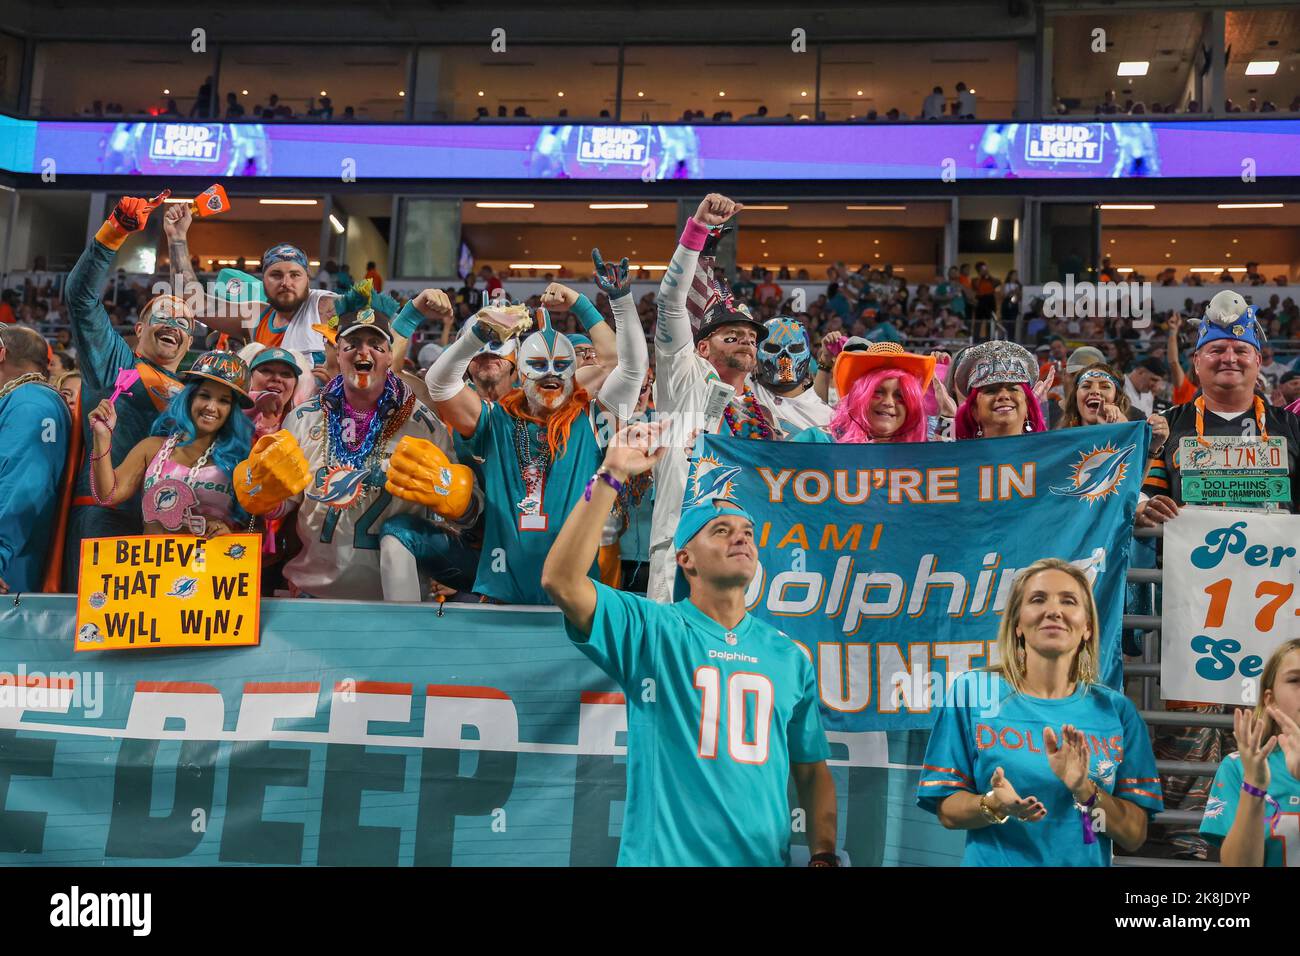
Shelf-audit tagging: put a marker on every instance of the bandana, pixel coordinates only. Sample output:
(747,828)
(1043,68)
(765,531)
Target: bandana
(1091,374)
(284,252)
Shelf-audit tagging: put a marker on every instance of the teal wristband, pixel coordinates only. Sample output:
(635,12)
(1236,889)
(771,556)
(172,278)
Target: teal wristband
(408,320)
(587,313)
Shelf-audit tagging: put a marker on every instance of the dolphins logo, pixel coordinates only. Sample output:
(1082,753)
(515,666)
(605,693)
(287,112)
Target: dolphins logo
(165,500)
(1105,771)
(89,634)
(235,551)
(1098,473)
(339,487)
(184,588)
(716,482)
(1214,807)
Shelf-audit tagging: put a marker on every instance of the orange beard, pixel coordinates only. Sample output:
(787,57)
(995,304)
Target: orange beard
(557,424)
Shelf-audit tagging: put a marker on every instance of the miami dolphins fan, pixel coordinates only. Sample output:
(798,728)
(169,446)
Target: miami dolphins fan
(538,442)
(1244,813)
(702,374)
(785,376)
(1229,412)
(163,333)
(33,457)
(281,313)
(329,463)
(1039,762)
(734,708)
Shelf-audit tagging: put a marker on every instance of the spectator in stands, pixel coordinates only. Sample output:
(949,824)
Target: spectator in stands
(183,470)
(1226,361)
(37,430)
(61,363)
(1138,384)
(691,365)
(202,107)
(273,376)
(492,370)
(1288,390)
(685,810)
(785,376)
(539,440)
(520,113)
(376,280)
(349,114)
(68,385)
(491,283)
(395,431)
(234,109)
(1253,785)
(882,395)
(985,287)
(998,380)
(761,114)
(162,338)
(964,107)
(1049,656)
(1270,368)
(171,111)
(1108,106)
(933,105)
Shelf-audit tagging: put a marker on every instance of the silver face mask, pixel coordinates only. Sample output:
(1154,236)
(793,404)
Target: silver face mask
(547,352)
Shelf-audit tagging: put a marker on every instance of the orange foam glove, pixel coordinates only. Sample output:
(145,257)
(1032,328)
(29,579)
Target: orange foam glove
(274,471)
(420,471)
(128,216)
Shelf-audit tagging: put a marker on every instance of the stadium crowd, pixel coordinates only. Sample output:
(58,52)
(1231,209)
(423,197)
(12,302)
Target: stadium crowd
(457,447)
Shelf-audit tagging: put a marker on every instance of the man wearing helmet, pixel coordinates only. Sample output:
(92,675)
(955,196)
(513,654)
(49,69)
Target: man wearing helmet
(785,376)
(1229,410)
(703,377)
(539,444)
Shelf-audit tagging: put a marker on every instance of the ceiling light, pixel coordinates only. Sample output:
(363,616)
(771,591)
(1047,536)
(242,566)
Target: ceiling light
(243,92)
(860,93)
(819,242)
(1251,205)
(640,92)
(1122,205)
(504,205)
(560,93)
(1261,67)
(323,93)
(401,92)
(338,226)
(618,205)
(287,202)
(876,208)
(480,93)
(764,208)
(167,92)
(993,230)
(803,92)
(1122,269)
(535,265)
(1133,68)
(722,92)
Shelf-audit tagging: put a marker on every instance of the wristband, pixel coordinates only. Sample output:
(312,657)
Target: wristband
(825,858)
(602,473)
(587,313)
(1085,817)
(694,235)
(1272,804)
(407,321)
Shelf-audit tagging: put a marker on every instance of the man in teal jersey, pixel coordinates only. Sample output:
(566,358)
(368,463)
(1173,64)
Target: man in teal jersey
(539,443)
(721,707)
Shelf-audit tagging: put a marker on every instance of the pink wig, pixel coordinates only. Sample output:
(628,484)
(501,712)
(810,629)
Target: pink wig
(968,426)
(849,420)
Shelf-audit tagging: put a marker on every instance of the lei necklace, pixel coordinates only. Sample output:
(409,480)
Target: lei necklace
(754,419)
(375,428)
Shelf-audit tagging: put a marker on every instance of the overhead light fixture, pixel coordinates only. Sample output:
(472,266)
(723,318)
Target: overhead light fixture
(338,226)
(1251,205)
(860,93)
(1261,67)
(243,92)
(401,92)
(505,205)
(1124,205)
(640,92)
(618,205)
(876,208)
(167,92)
(314,262)
(1218,269)
(560,93)
(803,92)
(765,208)
(1125,269)
(481,93)
(993,230)
(648,268)
(1133,68)
(288,202)
(722,92)
(536,265)
(323,93)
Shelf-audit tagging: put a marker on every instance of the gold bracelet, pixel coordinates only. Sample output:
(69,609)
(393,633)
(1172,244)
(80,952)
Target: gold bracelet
(988,812)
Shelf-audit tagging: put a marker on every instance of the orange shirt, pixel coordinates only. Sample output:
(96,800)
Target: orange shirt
(7,314)
(1184,393)
(375,278)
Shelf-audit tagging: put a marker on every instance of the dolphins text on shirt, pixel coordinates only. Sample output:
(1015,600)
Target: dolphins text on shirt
(1008,738)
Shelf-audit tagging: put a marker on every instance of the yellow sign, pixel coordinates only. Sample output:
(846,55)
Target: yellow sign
(169,591)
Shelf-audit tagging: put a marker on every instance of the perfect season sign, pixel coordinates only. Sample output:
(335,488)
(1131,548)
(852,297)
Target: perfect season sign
(168,591)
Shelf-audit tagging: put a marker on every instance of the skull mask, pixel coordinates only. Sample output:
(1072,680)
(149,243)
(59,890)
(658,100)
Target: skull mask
(785,354)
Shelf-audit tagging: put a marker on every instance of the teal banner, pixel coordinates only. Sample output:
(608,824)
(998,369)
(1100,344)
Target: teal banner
(357,735)
(891,564)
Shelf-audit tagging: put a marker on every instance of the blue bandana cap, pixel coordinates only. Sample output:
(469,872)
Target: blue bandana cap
(577,338)
(695,518)
(284,252)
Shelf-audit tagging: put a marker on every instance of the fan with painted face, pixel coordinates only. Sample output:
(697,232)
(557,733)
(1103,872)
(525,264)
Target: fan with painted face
(785,354)
(547,363)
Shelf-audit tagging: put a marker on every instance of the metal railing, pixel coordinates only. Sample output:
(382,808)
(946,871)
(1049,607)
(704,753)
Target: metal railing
(1148,672)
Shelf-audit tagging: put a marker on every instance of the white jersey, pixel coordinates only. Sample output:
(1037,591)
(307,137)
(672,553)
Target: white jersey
(297,334)
(805,410)
(340,547)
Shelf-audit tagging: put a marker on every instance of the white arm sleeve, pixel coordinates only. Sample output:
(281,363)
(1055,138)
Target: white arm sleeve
(674,332)
(622,387)
(446,377)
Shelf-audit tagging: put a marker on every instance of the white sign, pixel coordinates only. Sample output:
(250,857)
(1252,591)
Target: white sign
(1229,600)
(1072,142)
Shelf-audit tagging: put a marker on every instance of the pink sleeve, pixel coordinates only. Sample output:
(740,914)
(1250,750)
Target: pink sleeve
(694,235)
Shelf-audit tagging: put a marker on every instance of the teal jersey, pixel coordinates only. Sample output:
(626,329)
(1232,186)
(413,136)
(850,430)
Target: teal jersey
(814,435)
(1281,832)
(984,725)
(714,718)
(518,536)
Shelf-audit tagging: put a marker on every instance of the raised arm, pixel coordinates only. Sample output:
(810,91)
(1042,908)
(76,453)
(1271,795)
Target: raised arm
(622,388)
(673,331)
(1176,373)
(116,485)
(455,402)
(558,297)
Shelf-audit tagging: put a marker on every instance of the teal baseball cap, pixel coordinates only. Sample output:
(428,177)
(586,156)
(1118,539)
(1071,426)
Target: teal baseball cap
(275,354)
(695,519)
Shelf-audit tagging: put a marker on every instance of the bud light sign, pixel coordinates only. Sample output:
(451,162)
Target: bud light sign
(1054,142)
(614,144)
(187,141)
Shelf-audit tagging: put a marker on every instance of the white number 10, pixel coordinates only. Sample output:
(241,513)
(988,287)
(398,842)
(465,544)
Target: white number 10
(739,686)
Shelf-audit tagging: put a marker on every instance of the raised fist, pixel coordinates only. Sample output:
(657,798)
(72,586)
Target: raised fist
(612,278)
(274,471)
(434,305)
(558,298)
(715,209)
(420,471)
(128,216)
